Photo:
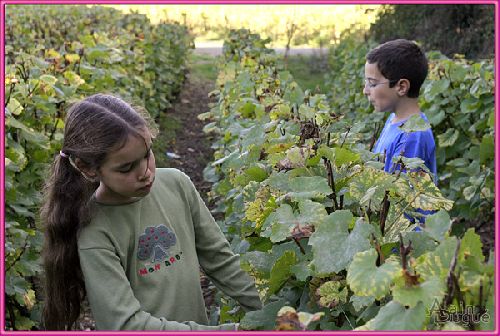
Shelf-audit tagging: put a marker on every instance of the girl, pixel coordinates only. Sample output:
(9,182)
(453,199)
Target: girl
(129,236)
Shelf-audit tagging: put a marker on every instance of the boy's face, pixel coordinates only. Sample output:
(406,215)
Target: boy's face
(377,90)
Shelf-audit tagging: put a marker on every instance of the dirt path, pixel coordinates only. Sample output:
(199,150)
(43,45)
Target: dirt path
(190,143)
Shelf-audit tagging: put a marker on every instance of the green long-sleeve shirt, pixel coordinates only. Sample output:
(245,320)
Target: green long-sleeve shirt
(141,260)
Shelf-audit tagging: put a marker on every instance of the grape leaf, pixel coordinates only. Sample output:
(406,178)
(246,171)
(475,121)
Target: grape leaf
(379,279)
(263,319)
(331,294)
(449,138)
(334,246)
(337,155)
(358,302)
(437,262)
(421,243)
(426,292)
(281,271)
(361,187)
(415,124)
(301,270)
(438,224)
(470,245)
(395,316)
(309,187)
(310,214)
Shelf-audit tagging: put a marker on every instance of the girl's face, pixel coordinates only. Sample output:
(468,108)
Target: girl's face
(377,90)
(129,173)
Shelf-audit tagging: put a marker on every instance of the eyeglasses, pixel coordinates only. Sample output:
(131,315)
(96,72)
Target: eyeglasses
(372,85)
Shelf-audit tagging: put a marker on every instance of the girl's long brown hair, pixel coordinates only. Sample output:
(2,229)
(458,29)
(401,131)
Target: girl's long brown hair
(94,127)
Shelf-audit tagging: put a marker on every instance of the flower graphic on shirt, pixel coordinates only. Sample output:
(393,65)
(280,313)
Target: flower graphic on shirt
(155,242)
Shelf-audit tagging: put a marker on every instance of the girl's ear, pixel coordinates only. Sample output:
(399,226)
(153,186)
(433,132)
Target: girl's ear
(88,173)
(403,87)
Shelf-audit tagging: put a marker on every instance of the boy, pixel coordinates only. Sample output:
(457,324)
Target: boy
(394,73)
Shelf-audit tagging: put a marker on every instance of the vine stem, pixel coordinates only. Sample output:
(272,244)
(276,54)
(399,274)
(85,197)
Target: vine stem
(12,315)
(481,294)
(404,251)
(18,257)
(385,210)
(11,90)
(374,137)
(380,259)
(331,182)
(54,129)
(348,321)
(300,246)
(451,279)
(347,133)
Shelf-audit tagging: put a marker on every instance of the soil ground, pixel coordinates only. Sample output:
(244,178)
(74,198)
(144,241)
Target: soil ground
(190,145)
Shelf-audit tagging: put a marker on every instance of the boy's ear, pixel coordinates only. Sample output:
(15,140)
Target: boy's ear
(403,87)
(87,172)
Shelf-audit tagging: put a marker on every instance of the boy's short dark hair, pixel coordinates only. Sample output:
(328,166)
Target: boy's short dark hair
(400,59)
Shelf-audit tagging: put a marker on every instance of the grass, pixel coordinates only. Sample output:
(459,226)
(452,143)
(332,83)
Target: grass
(308,71)
(203,66)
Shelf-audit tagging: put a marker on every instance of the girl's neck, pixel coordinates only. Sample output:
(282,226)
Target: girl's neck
(106,196)
(405,109)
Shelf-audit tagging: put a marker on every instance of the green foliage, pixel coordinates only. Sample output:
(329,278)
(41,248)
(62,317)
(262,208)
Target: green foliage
(56,55)
(462,118)
(240,43)
(395,316)
(438,224)
(318,224)
(466,29)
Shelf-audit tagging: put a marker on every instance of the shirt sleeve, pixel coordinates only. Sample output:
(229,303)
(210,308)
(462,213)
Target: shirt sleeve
(112,300)
(216,258)
(413,145)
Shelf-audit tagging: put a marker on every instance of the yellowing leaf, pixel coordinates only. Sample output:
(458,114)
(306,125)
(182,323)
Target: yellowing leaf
(331,294)
(366,279)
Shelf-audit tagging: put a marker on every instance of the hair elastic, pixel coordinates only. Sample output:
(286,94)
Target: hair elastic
(66,156)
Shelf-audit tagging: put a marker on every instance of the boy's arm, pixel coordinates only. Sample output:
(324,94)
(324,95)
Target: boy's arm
(215,254)
(413,145)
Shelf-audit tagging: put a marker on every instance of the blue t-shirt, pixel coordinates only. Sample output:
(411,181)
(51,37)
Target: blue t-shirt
(394,141)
